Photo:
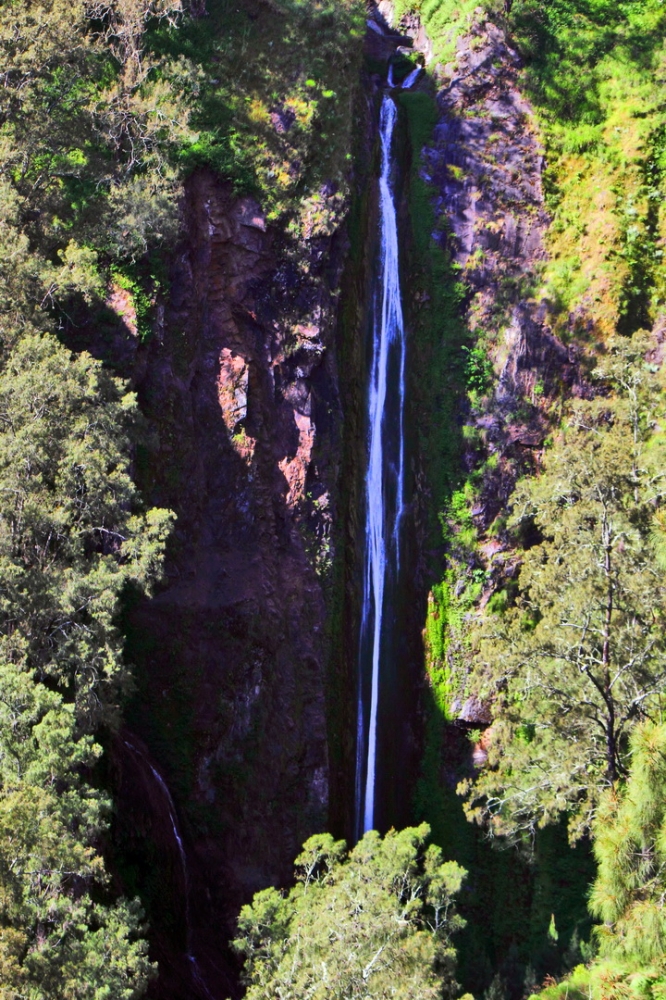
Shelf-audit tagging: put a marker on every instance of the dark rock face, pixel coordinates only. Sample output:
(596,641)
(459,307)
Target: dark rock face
(240,392)
(486,162)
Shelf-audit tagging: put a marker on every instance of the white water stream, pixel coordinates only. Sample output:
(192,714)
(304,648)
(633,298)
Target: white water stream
(384,484)
(411,78)
(194,965)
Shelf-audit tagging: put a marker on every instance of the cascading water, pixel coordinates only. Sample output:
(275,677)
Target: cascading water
(384,484)
(194,965)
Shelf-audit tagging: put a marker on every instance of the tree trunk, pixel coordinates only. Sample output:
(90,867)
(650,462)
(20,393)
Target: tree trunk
(611,744)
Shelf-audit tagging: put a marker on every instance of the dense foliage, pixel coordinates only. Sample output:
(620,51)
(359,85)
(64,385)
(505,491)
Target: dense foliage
(628,894)
(579,656)
(105,106)
(375,922)
(69,544)
(81,180)
(552,618)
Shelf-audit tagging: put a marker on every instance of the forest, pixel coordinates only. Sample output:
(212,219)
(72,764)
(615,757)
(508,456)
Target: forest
(332,499)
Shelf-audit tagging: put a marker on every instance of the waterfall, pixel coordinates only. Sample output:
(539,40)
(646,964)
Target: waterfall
(171,808)
(384,483)
(411,78)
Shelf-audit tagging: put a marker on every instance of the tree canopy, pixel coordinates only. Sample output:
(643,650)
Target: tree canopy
(373,922)
(628,893)
(71,538)
(630,847)
(581,655)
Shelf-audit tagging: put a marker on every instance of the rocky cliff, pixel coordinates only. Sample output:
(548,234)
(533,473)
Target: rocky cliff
(240,391)
(486,162)
(252,388)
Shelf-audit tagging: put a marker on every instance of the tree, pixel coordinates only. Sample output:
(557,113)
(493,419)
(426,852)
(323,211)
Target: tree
(55,940)
(88,120)
(582,655)
(69,541)
(629,894)
(124,23)
(72,537)
(374,922)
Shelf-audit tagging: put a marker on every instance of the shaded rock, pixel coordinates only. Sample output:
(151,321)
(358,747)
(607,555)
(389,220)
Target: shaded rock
(475,713)
(241,393)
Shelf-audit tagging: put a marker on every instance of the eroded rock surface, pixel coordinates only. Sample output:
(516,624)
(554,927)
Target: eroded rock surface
(240,391)
(486,162)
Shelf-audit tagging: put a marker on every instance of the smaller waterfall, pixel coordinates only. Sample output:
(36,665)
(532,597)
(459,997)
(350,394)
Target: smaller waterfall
(384,483)
(411,78)
(171,808)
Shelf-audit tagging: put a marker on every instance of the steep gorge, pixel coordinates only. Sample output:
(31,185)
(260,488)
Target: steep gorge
(240,389)
(253,388)
(254,391)
(332,497)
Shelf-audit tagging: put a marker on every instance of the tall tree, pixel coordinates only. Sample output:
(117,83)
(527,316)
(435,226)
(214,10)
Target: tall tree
(582,655)
(56,939)
(69,540)
(72,536)
(629,894)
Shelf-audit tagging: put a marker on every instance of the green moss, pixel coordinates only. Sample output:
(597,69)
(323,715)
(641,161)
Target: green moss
(437,330)
(444,21)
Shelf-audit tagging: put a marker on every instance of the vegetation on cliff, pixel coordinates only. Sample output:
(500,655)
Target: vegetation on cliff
(548,617)
(595,73)
(72,538)
(601,125)
(573,656)
(106,106)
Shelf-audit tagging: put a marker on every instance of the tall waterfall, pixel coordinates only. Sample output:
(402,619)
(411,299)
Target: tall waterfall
(384,484)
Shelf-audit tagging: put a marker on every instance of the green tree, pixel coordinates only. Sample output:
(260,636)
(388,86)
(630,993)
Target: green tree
(88,121)
(69,541)
(374,922)
(71,538)
(56,941)
(582,655)
(629,892)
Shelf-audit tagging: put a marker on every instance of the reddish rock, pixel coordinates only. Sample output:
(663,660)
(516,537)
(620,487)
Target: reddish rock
(240,390)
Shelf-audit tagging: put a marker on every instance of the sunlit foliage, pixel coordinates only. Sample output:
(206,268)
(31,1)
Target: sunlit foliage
(375,922)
